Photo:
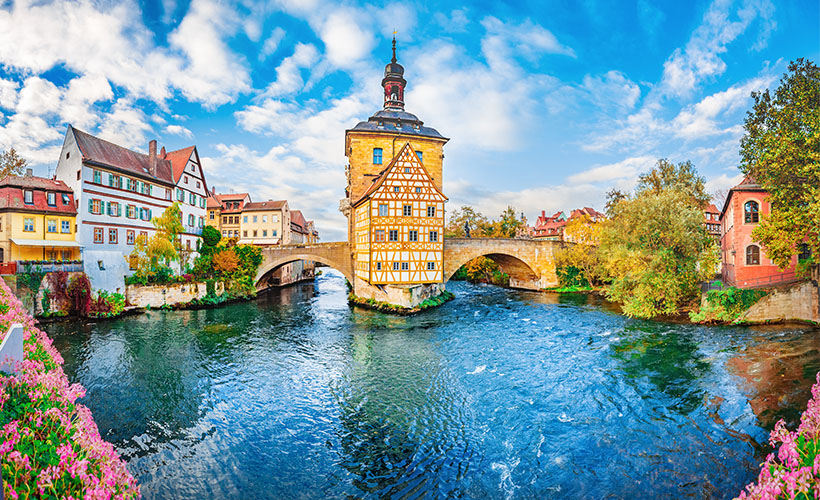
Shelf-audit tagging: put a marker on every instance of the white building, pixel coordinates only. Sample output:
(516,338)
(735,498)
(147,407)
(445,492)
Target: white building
(117,192)
(191,192)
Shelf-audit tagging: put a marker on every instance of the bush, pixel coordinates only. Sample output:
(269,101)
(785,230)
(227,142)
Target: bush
(210,239)
(725,305)
(571,277)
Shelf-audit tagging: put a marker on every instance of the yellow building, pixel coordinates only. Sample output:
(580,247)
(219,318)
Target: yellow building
(264,223)
(223,212)
(213,213)
(37,220)
(400,225)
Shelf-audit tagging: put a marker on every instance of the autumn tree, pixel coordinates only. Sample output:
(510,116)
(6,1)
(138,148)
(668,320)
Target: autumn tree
(780,149)
(468,216)
(225,262)
(152,256)
(654,246)
(507,224)
(11,163)
(580,259)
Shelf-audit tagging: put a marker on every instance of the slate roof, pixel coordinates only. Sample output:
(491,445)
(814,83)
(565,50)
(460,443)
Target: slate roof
(259,206)
(12,197)
(393,121)
(107,154)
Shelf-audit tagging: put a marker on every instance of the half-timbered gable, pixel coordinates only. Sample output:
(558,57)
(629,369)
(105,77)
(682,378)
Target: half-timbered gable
(399,225)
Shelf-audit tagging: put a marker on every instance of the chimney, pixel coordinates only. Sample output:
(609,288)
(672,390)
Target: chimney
(29,172)
(152,155)
(162,153)
(544,214)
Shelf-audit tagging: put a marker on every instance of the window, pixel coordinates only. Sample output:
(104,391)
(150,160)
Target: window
(197,184)
(431,266)
(132,185)
(378,266)
(224,220)
(79,174)
(412,235)
(211,215)
(433,235)
(751,211)
(379,236)
(244,234)
(408,210)
(201,202)
(66,199)
(65,226)
(805,252)
(52,199)
(273,232)
(405,266)
(112,235)
(94,206)
(191,220)
(98,235)
(254,219)
(406,170)
(264,219)
(383,210)
(52,255)
(144,235)
(131,211)
(145,213)
(180,195)
(146,188)
(66,254)
(274,218)
(377,156)
(245,219)
(396,189)
(97,177)
(418,190)
(202,222)
(168,194)
(28,224)
(395,266)
(114,209)
(431,211)
(393,235)
(186,180)
(192,199)
(51,225)
(129,237)
(752,255)
(67,155)
(28,197)
(100,264)
(264,233)
(420,154)
(254,233)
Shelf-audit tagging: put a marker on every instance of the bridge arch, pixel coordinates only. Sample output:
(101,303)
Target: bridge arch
(336,256)
(529,263)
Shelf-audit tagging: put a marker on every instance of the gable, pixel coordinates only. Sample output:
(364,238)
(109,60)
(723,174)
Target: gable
(407,173)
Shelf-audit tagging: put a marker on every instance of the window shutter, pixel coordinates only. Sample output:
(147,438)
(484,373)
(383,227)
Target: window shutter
(90,206)
(149,214)
(111,180)
(119,210)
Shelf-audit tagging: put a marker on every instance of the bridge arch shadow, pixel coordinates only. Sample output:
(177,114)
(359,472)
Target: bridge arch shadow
(270,266)
(521,273)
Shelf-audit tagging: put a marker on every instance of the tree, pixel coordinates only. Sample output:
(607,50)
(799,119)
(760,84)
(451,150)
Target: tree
(683,176)
(477,223)
(11,163)
(581,257)
(225,262)
(613,197)
(210,239)
(153,256)
(780,149)
(507,224)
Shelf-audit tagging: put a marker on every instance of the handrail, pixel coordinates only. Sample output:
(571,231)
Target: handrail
(772,279)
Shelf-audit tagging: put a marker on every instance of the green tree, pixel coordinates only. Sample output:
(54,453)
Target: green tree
(780,149)
(506,225)
(151,257)
(210,238)
(477,223)
(683,176)
(11,163)
(654,246)
(582,254)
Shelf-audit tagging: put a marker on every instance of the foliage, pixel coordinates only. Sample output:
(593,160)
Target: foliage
(210,239)
(725,305)
(667,176)
(613,197)
(11,163)
(444,296)
(152,256)
(79,292)
(571,277)
(506,226)
(794,473)
(581,254)
(225,262)
(470,217)
(107,305)
(655,249)
(482,270)
(781,150)
(50,446)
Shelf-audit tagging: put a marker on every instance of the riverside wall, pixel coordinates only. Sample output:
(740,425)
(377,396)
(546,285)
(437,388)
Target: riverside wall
(795,302)
(159,295)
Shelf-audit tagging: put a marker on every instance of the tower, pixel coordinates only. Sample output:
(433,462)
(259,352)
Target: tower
(394,201)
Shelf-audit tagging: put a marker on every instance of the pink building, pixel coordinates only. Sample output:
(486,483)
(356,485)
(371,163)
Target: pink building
(745,264)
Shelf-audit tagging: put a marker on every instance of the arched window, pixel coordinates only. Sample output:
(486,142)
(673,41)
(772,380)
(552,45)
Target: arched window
(377,156)
(752,255)
(751,211)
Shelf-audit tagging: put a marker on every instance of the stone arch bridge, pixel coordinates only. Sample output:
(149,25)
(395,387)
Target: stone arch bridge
(530,263)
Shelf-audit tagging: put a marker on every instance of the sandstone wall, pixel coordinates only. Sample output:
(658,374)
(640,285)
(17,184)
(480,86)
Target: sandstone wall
(800,301)
(158,295)
(401,295)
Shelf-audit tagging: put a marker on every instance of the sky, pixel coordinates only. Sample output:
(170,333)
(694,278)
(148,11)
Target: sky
(548,104)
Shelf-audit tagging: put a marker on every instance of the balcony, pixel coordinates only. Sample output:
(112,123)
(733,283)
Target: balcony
(42,266)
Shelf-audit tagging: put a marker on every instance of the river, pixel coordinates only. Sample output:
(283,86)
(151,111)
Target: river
(497,394)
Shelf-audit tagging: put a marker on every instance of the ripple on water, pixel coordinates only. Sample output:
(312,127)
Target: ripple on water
(498,394)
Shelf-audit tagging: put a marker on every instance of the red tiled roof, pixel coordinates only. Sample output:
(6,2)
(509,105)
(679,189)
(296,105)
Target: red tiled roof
(712,209)
(179,159)
(258,206)
(591,212)
(297,218)
(213,203)
(12,197)
(232,197)
(96,150)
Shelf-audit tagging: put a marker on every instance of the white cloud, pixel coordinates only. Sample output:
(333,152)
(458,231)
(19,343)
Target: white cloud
(612,90)
(289,73)
(271,43)
(180,131)
(456,22)
(505,41)
(701,59)
(628,169)
(125,125)
(8,93)
(346,41)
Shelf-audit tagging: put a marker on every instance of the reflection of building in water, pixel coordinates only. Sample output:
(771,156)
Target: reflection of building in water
(778,374)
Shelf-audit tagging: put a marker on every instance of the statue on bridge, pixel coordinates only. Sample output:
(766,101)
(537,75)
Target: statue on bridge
(466,229)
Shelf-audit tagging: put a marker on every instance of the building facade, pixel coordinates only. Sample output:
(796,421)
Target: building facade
(395,213)
(37,220)
(265,223)
(743,259)
(229,213)
(191,192)
(711,221)
(549,227)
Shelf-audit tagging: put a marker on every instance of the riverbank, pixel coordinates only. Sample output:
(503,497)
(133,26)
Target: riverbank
(50,443)
(387,308)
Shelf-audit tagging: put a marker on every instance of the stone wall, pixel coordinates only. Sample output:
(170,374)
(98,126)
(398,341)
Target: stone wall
(408,296)
(799,301)
(159,295)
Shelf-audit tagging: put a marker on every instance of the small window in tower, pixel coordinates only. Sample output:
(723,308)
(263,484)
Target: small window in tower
(377,156)
(420,154)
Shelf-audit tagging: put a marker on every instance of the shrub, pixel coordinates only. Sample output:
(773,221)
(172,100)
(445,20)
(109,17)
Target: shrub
(725,305)
(225,262)
(571,276)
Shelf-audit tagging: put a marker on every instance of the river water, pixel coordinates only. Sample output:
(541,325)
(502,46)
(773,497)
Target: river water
(497,394)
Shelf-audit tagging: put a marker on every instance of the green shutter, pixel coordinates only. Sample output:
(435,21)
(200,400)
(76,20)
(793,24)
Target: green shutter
(119,210)
(90,206)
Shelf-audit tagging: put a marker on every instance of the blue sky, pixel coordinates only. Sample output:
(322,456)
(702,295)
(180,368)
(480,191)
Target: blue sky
(548,104)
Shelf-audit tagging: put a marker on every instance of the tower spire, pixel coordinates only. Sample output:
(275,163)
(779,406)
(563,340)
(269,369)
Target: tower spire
(394,48)
(394,82)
